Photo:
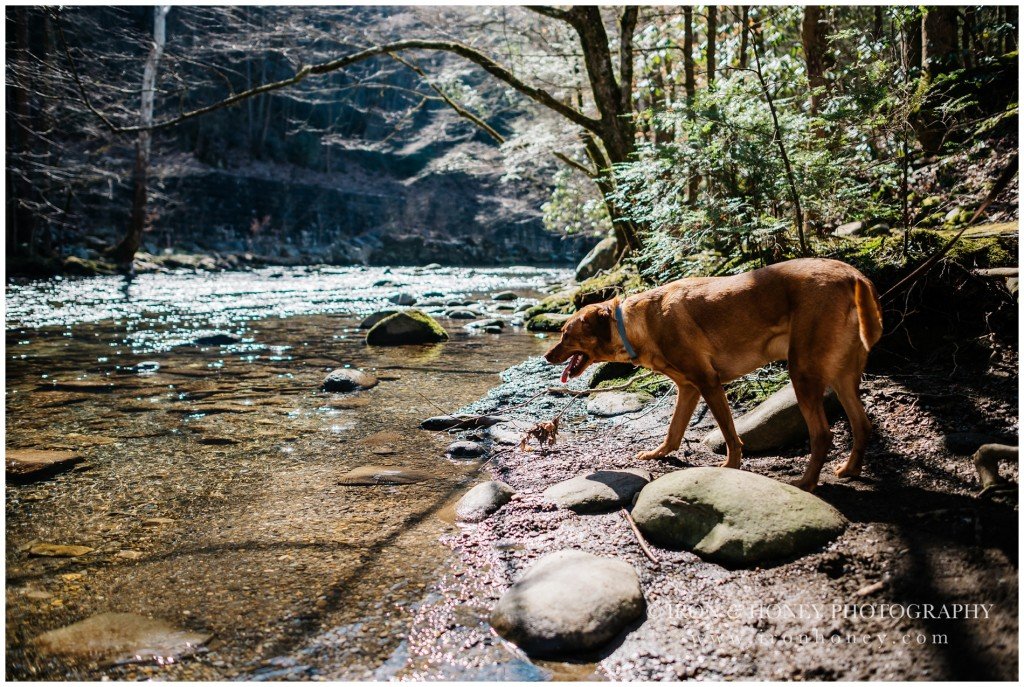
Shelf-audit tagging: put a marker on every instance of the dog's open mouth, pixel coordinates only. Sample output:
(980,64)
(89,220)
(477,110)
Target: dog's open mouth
(575,365)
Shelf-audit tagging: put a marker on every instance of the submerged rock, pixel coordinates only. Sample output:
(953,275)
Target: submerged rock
(599,491)
(440,422)
(218,339)
(369,475)
(776,423)
(30,464)
(482,500)
(462,314)
(569,602)
(466,449)
(59,550)
(734,517)
(375,318)
(406,327)
(119,638)
(547,322)
(347,379)
(617,403)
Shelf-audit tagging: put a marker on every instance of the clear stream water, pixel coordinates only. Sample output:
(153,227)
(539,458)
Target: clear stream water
(211,489)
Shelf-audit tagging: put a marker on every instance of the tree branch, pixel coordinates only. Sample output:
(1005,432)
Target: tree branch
(487,128)
(486,63)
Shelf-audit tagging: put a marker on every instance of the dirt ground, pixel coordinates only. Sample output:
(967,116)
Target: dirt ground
(922,585)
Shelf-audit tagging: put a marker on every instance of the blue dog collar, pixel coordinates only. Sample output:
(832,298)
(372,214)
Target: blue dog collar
(620,323)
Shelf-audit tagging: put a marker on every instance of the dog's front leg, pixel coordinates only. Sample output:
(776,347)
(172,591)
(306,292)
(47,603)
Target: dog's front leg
(686,400)
(714,395)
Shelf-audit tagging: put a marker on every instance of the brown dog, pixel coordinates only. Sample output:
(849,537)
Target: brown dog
(823,316)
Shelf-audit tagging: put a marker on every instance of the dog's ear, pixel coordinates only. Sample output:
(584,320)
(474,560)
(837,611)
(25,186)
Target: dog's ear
(598,321)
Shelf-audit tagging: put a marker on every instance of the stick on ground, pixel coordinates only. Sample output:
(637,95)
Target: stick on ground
(640,538)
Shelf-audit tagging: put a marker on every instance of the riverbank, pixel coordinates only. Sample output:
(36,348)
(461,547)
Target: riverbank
(918,535)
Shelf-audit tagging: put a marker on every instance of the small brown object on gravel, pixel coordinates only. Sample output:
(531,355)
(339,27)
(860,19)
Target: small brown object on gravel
(546,434)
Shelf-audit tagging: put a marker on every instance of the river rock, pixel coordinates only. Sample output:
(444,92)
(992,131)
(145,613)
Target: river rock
(218,339)
(402,299)
(490,322)
(406,327)
(58,550)
(775,424)
(505,434)
(348,379)
(466,449)
(440,422)
(599,491)
(734,517)
(482,500)
(569,602)
(462,314)
(375,318)
(119,638)
(505,296)
(600,258)
(370,475)
(547,322)
(849,229)
(617,403)
(29,464)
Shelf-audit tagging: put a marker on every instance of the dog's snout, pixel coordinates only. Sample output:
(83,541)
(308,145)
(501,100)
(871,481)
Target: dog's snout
(555,355)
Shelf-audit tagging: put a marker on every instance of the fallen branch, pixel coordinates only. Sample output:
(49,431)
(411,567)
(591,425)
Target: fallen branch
(640,538)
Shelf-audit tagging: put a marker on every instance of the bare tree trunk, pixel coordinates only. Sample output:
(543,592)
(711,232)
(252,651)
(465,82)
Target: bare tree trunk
(744,20)
(691,90)
(812,35)
(125,252)
(912,46)
(938,38)
(712,41)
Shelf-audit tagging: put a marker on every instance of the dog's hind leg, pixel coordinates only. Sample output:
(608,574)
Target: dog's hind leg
(719,405)
(848,390)
(810,395)
(686,400)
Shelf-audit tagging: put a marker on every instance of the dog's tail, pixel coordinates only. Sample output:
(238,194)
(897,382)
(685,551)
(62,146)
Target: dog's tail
(869,312)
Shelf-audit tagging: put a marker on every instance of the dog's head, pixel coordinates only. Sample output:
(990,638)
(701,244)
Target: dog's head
(586,338)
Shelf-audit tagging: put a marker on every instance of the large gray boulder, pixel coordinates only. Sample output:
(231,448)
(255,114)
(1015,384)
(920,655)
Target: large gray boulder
(482,500)
(406,327)
(569,602)
(734,517)
(601,257)
(775,424)
(613,403)
(599,491)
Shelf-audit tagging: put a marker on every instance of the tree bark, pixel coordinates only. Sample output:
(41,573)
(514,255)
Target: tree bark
(693,185)
(812,35)
(744,20)
(938,38)
(125,252)
(712,42)
(912,47)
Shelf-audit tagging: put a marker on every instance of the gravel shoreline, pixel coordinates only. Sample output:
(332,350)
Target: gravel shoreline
(855,610)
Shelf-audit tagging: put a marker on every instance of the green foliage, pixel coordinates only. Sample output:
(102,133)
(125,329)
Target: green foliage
(575,206)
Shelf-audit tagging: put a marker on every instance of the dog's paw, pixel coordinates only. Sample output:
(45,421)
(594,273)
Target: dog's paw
(846,471)
(651,455)
(805,485)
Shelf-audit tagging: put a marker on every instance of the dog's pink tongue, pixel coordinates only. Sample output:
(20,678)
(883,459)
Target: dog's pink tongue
(568,368)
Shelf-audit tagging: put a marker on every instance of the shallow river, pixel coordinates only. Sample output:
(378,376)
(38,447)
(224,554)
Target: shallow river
(210,492)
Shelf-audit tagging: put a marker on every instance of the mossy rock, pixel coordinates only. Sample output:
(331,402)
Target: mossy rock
(76,265)
(547,322)
(406,327)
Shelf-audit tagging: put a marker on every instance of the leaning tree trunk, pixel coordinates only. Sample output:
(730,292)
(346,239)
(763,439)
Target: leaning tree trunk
(124,253)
